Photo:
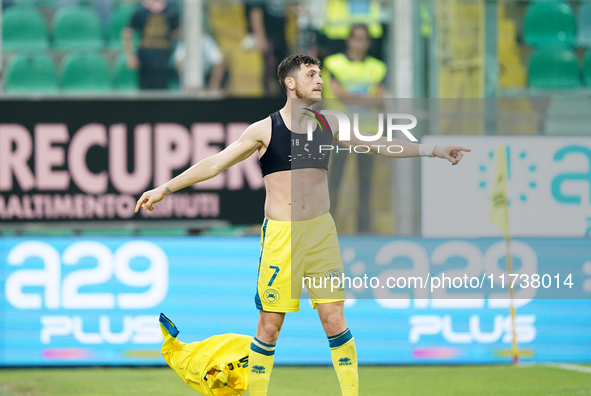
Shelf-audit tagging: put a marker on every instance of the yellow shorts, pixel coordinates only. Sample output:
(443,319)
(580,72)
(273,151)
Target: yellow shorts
(297,253)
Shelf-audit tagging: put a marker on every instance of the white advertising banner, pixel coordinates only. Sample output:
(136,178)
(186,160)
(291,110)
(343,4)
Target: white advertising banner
(548,187)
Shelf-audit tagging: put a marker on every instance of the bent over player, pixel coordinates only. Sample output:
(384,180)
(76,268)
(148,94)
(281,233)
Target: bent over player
(296,214)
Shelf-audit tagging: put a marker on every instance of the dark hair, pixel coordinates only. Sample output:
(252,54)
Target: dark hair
(291,65)
(359,26)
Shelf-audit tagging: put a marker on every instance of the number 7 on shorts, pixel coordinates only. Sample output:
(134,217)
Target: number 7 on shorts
(274,274)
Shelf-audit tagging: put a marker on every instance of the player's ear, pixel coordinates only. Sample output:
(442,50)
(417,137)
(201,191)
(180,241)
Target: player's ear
(290,82)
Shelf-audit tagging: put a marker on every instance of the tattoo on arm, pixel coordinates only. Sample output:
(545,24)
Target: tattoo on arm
(167,190)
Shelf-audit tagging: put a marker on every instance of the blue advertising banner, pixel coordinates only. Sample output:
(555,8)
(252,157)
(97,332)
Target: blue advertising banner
(81,301)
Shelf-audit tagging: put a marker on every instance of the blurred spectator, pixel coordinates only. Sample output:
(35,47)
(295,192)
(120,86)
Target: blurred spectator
(212,61)
(267,21)
(340,16)
(157,22)
(354,77)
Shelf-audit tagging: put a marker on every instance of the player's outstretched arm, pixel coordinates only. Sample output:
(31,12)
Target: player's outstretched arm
(396,148)
(404,149)
(241,149)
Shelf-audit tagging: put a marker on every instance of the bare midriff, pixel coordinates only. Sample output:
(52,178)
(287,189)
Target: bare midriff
(295,195)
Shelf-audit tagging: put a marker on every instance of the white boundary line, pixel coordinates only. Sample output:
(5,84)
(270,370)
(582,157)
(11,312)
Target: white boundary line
(572,367)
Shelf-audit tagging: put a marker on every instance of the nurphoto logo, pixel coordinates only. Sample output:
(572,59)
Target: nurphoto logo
(345,130)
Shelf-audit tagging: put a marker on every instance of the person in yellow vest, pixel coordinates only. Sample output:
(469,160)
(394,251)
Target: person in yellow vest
(355,75)
(341,15)
(217,366)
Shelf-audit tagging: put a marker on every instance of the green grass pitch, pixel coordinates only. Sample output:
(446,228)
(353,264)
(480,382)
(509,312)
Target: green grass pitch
(523,380)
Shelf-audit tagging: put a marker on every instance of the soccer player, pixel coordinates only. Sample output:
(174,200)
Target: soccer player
(297,215)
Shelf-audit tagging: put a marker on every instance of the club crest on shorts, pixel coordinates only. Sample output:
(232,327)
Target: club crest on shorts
(271,296)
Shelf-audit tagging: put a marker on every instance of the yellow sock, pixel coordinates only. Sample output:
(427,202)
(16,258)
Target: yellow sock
(260,362)
(344,360)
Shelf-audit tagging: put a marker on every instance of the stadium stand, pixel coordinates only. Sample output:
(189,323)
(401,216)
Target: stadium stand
(23,27)
(58,27)
(246,74)
(549,23)
(461,39)
(553,68)
(117,22)
(31,73)
(77,27)
(229,26)
(85,71)
(584,25)
(124,79)
(512,71)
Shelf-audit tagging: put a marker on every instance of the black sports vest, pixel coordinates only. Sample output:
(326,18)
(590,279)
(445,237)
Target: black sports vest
(288,150)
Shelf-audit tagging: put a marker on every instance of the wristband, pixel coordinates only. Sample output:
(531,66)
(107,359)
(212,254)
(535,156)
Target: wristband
(426,150)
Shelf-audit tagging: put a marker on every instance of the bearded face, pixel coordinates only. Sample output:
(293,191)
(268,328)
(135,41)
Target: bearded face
(309,95)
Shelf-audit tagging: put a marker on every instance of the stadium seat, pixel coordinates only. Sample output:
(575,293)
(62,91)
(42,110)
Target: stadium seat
(77,27)
(587,69)
(584,25)
(30,73)
(85,72)
(53,5)
(549,23)
(553,68)
(568,117)
(124,79)
(23,27)
(117,22)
